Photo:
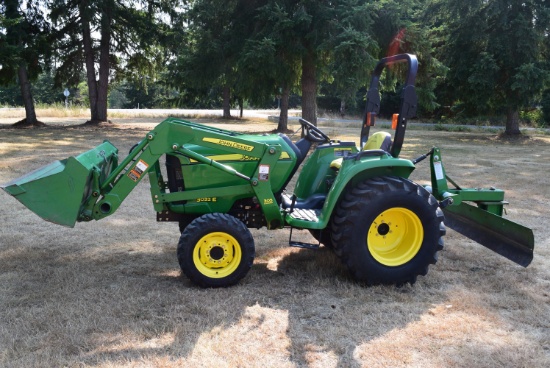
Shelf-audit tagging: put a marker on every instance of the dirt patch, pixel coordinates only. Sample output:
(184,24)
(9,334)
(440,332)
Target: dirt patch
(110,293)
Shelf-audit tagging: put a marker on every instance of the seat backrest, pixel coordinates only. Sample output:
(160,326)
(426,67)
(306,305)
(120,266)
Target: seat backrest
(299,148)
(379,140)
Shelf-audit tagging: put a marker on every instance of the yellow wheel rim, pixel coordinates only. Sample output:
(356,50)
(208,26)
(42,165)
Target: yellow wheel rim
(217,255)
(395,236)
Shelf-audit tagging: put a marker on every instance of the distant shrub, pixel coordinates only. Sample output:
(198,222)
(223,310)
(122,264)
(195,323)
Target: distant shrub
(532,117)
(451,128)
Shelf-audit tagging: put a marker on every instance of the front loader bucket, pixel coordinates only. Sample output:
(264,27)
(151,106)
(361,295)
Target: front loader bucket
(57,191)
(507,238)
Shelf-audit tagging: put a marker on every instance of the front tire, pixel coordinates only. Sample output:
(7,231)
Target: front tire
(184,221)
(216,250)
(388,230)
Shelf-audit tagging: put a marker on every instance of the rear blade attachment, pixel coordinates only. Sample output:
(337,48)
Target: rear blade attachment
(507,238)
(56,192)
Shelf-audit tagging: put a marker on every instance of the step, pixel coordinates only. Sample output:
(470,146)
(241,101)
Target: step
(299,244)
(306,215)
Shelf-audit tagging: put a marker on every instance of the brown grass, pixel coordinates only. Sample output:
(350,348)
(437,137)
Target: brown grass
(110,293)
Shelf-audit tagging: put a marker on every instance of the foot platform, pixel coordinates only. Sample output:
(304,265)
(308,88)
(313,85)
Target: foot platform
(298,244)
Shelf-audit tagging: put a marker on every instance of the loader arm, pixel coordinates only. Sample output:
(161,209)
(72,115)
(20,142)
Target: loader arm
(172,136)
(92,186)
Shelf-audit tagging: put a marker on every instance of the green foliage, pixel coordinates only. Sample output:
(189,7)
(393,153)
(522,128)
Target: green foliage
(23,39)
(24,47)
(532,117)
(451,128)
(258,47)
(138,33)
(208,52)
(80,95)
(352,48)
(478,58)
(132,94)
(43,90)
(271,57)
(495,53)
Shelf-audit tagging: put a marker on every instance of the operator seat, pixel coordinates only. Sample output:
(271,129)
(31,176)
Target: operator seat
(379,140)
(300,148)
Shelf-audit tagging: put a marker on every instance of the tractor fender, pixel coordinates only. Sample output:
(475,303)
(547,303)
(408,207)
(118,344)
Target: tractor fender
(353,172)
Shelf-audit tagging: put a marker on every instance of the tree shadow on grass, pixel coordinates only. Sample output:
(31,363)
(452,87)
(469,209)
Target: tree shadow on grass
(113,302)
(115,296)
(93,306)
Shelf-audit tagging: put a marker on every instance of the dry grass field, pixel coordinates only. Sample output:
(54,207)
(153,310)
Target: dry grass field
(110,293)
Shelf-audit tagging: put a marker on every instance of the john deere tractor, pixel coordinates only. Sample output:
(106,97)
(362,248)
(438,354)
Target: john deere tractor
(216,184)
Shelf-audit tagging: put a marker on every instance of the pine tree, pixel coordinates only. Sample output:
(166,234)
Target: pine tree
(494,51)
(23,45)
(310,41)
(122,38)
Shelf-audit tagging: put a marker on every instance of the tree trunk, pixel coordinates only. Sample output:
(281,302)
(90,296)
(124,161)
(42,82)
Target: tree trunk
(13,38)
(97,90)
(30,113)
(241,107)
(89,57)
(342,107)
(309,88)
(512,121)
(226,102)
(283,116)
(104,64)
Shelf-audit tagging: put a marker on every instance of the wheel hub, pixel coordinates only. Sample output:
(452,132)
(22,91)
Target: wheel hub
(217,254)
(395,236)
(383,229)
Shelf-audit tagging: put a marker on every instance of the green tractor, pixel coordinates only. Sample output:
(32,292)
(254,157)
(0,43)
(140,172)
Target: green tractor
(217,184)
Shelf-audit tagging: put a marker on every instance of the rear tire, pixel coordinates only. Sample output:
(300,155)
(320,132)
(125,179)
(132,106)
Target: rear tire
(216,250)
(388,230)
(322,236)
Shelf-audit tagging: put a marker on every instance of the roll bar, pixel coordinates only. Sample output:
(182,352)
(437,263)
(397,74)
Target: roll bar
(407,106)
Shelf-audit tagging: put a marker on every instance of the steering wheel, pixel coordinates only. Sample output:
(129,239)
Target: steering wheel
(312,133)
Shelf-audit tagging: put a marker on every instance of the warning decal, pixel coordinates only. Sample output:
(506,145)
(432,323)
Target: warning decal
(263,173)
(438,170)
(138,170)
